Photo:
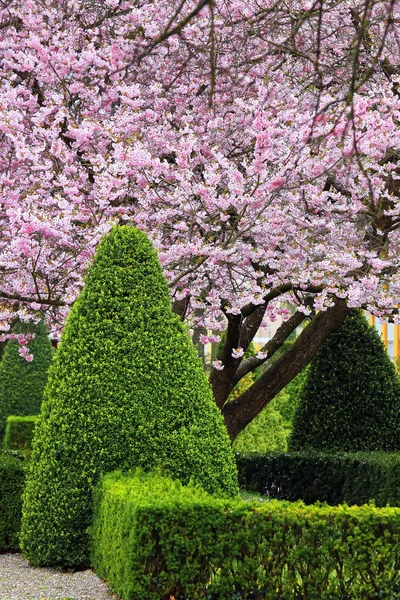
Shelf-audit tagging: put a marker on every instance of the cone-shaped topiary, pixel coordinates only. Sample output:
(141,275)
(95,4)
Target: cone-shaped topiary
(351,398)
(126,389)
(22,382)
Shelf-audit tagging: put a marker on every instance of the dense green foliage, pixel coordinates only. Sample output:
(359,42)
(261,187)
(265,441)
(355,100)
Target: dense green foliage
(351,399)
(153,539)
(354,478)
(22,382)
(12,480)
(264,434)
(287,401)
(126,389)
(270,429)
(19,434)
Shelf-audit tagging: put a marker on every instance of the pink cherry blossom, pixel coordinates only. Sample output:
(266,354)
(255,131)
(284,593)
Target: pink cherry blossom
(267,174)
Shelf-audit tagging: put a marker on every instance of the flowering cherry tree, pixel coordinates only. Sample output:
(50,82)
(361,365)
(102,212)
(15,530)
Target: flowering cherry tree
(257,143)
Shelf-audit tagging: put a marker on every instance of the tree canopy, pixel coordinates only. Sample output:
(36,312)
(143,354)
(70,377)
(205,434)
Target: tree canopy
(257,144)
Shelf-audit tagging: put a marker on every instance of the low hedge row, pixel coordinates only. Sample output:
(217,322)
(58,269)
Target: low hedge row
(19,434)
(354,478)
(12,479)
(153,538)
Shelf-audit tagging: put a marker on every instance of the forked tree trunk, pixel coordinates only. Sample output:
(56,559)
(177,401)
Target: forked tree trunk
(240,412)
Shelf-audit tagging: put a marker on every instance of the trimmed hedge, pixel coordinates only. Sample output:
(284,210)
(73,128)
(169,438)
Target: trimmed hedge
(354,478)
(350,401)
(12,480)
(126,389)
(22,382)
(19,434)
(153,539)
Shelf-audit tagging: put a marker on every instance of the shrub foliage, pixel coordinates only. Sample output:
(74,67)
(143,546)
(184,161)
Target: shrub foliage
(126,389)
(288,400)
(351,399)
(351,477)
(19,434)
(266,432)
(12,480)
(22,382)
(154,539)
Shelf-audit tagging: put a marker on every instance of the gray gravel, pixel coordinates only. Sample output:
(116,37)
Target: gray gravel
(20,581)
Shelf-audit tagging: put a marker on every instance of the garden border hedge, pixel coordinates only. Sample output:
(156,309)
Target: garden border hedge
(354,478)
(12,480)
(19,433)
(153,538)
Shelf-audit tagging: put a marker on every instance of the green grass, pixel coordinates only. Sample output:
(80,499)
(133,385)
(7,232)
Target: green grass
(245,495)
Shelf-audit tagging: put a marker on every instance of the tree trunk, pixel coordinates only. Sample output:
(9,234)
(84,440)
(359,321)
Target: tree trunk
(240,412)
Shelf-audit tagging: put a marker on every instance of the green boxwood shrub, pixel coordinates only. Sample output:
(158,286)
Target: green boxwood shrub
(12,480)
(19,434)
(354,478)
(287,401)
(153,539)
(126,389)
(351,399)
(22,382)
(271,428)
(266,432)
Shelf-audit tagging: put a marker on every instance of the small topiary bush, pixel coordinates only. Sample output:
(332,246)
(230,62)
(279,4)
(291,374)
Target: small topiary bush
(271,428)
(19,434)
(266,432)
(154,539)
(12,480)
(22,382)
(351,399)
(354,478)
(287,401)
(126,389)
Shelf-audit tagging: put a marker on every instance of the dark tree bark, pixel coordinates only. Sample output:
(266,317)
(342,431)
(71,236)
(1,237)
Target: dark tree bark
(271,347)
(222,381)
(240,412)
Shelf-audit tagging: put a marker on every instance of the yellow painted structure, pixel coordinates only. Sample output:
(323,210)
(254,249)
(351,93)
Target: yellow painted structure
(391,340)
(396,341)
(384,334)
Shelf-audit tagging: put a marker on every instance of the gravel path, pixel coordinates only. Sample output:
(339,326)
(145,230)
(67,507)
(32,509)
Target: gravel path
(20,581)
